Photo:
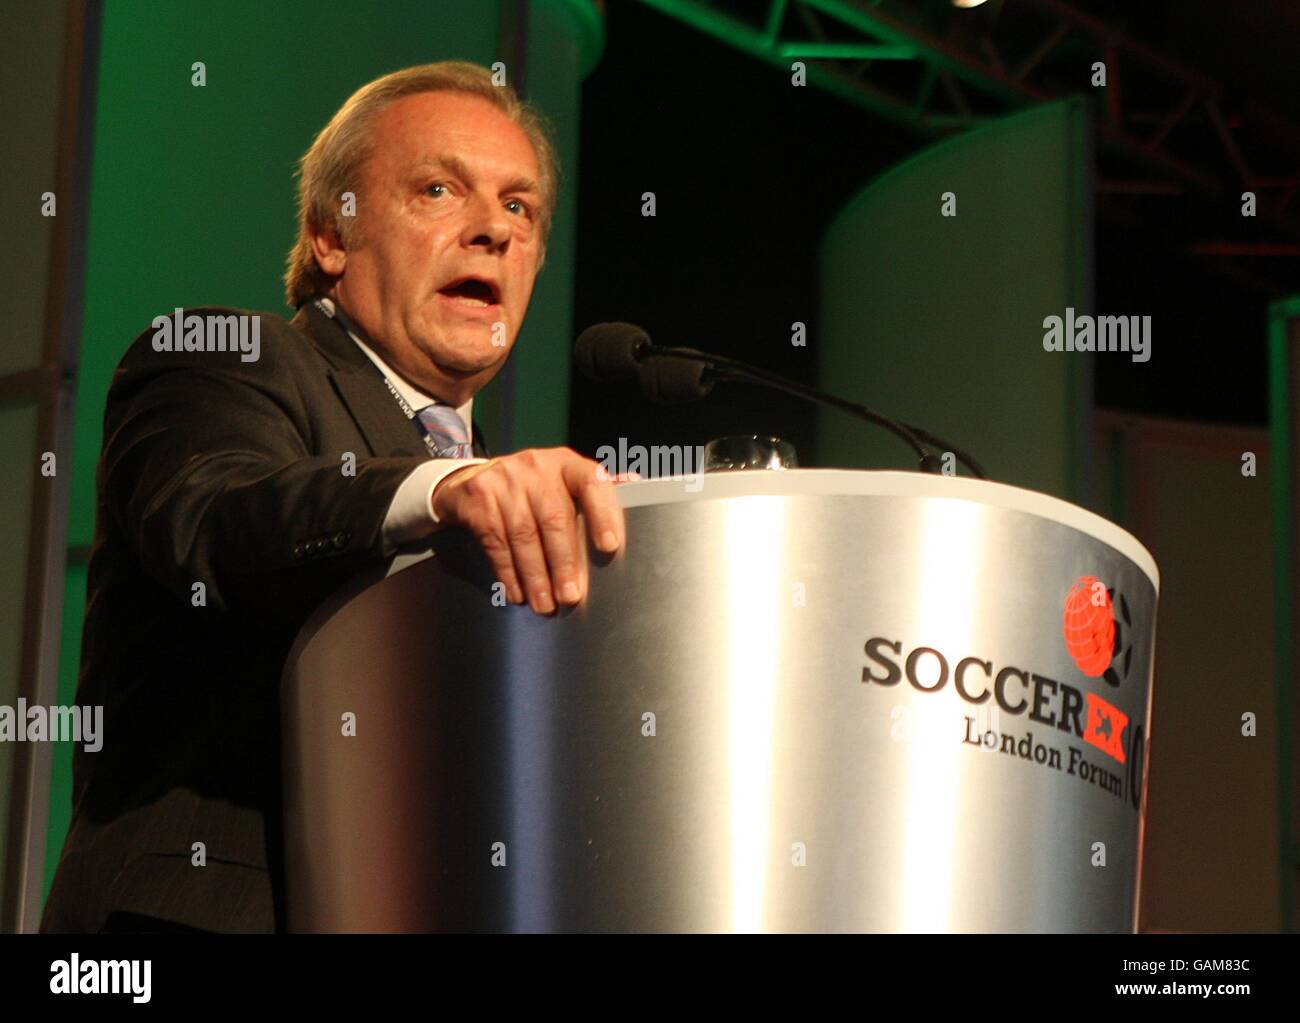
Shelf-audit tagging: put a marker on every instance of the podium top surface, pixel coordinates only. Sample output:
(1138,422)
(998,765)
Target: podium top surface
(847,482)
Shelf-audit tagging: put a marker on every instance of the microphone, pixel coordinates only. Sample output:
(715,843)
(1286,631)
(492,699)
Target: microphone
(675,381)
(621,351)
(611,351)
(617,351)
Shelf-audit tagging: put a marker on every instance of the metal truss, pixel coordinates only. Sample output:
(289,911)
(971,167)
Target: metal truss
(1163,128)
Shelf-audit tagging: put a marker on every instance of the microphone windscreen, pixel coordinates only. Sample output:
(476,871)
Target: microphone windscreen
(671,381)
(608,351)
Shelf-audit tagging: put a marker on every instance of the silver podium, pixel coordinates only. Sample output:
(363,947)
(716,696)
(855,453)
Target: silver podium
(801,701)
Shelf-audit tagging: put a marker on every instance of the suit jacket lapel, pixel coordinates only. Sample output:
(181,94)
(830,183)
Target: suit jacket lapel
(361,387)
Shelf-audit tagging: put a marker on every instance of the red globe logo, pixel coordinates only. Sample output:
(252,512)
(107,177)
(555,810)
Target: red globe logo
(1089,626)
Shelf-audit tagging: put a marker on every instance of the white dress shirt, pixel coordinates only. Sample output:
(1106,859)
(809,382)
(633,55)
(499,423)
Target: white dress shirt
(410,516)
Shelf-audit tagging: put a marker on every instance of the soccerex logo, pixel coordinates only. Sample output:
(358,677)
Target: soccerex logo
(1097,631)
(1097,627)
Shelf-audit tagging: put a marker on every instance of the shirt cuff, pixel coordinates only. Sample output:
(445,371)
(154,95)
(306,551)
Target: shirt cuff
(410,516)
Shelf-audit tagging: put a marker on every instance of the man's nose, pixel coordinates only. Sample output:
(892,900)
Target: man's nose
(487,223)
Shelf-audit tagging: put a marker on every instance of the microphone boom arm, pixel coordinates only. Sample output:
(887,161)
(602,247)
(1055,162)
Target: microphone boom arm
(734,371)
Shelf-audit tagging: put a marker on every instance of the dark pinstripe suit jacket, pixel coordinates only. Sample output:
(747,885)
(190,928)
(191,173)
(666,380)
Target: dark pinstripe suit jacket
(230,474)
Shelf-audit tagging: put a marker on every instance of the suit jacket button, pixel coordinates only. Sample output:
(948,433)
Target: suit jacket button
(340,541)
(300,550)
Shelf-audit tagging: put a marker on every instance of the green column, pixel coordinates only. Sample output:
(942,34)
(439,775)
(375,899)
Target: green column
(936,279)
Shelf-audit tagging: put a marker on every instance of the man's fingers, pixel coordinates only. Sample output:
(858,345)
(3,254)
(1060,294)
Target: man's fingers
(557,521)
(523,509)
(599,504)
(462,499)
(524,535)
(492,537)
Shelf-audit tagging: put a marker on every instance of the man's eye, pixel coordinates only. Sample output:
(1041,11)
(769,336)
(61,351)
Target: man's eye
(524,208)
(436,184)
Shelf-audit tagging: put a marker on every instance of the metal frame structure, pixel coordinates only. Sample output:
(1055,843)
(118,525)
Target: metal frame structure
(52,383)
(1162,127)
(1284,371)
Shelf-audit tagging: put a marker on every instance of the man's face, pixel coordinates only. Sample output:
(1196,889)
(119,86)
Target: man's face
(451,192)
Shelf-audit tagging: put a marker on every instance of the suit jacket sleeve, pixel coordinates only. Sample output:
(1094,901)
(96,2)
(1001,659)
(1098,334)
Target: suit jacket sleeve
(214,471)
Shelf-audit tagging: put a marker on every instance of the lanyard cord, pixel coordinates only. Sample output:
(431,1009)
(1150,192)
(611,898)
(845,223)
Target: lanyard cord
(402,403)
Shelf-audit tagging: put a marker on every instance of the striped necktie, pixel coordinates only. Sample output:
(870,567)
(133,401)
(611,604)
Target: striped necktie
(447,431)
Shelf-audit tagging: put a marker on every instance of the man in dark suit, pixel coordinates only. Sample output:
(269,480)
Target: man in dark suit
(240,484)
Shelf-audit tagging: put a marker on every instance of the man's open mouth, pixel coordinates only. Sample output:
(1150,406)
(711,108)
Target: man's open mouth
(472,291)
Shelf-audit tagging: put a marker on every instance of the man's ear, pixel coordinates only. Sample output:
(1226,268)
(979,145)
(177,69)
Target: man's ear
(328,248)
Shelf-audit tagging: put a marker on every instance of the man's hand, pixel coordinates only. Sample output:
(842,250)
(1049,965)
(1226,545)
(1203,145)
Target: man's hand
(522,509)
